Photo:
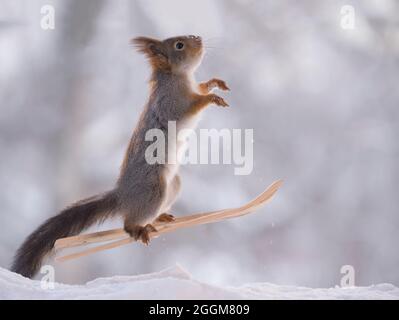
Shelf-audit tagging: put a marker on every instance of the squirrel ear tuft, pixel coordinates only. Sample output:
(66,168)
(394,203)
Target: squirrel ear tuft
(148,46)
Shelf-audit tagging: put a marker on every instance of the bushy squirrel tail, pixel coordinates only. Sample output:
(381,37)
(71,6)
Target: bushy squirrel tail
(70,221)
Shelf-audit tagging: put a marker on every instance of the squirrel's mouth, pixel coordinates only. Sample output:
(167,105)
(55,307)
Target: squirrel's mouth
(201,51)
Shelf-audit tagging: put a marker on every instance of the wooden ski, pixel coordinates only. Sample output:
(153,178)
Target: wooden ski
(120,237)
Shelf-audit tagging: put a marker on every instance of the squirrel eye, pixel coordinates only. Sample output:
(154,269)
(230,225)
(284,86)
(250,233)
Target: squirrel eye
(179,45)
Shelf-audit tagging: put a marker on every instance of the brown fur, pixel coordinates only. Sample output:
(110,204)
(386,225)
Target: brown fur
(143,191)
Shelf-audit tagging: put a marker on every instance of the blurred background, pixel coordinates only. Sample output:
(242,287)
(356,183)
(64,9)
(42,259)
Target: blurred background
(322,100)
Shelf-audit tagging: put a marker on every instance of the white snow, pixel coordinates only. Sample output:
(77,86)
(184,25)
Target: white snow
(176,283)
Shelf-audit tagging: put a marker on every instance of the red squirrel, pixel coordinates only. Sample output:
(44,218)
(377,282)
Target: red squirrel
(144,192)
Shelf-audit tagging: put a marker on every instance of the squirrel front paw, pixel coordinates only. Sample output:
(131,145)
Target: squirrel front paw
(217,83)
(218,100)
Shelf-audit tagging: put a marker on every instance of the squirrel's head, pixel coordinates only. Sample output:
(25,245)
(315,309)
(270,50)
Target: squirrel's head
(177,54)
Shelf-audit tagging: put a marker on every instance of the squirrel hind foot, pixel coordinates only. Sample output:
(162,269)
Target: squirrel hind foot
(165,217)
(141,233)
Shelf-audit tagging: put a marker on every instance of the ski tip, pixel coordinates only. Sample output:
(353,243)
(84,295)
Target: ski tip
(273,188)
(277,184)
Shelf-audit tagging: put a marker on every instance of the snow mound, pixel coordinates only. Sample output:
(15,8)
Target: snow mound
(176,283)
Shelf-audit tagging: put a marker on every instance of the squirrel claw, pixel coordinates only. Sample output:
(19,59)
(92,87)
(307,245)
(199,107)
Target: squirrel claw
(219,101)
(141,233)
(145,233)
(221,85)
(165,217)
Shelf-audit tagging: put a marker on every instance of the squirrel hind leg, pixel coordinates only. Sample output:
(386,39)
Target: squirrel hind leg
(139,232)
(143,210)
(172,192)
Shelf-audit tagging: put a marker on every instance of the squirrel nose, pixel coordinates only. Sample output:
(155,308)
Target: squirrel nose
(196,38)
